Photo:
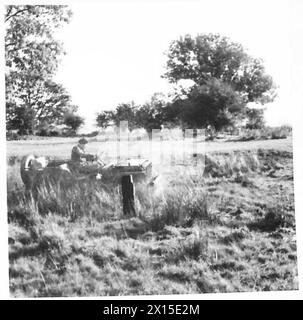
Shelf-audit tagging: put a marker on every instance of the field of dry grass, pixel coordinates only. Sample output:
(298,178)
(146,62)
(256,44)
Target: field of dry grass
(225,224)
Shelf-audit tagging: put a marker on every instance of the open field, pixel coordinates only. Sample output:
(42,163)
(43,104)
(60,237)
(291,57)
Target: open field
(223,223)
(62,147)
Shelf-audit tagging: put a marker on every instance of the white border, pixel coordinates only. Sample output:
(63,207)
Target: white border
(296,34)
(4,289)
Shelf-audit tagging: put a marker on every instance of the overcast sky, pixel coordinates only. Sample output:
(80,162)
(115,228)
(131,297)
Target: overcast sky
(116,50)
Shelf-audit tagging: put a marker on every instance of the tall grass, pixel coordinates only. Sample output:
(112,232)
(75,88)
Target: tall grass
(266,133)
(191,234)
(182,199)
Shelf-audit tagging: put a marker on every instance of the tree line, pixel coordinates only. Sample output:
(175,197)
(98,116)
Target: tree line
(224,78)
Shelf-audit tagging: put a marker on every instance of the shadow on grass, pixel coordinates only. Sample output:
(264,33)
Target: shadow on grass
(275,218)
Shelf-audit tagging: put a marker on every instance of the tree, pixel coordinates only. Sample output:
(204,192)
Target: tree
(225,79)
(152,114)
(214,103)
(73,121)
(103,119)
(126,112)
(212,56)
(255,118)
(47,102)
(32,57)
(22,119)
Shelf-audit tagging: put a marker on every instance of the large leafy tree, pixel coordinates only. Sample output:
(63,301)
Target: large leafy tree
(32,55)
(209,56)
(217,65)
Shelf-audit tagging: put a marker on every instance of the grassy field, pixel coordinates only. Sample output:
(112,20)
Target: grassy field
(225,224)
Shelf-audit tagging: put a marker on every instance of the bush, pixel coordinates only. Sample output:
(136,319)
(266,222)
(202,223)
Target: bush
(12,135)
(267,133)
(54,133)
(275,218)
(43,132)
(229,164)
(73,121)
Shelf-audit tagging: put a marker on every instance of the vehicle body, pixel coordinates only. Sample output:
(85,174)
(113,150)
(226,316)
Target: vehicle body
(35,169)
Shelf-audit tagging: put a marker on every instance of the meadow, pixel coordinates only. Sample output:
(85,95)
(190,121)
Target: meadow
(224,221)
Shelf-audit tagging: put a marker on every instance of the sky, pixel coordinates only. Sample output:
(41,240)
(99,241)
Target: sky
(115,51)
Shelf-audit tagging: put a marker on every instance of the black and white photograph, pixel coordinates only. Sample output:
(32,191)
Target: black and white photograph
(149,148)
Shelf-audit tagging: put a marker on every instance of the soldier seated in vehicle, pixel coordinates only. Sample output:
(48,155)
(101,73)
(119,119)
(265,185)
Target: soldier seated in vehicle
(79,153)
(82,161)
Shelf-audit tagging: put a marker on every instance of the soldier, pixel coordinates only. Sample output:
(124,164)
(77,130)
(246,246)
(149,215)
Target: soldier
(79,153)
(80,158)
